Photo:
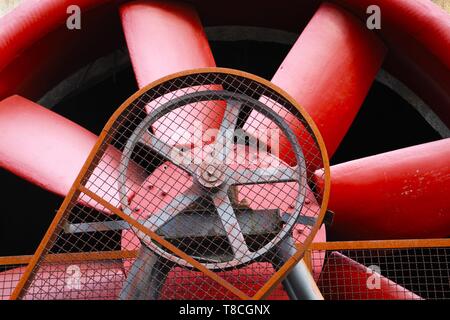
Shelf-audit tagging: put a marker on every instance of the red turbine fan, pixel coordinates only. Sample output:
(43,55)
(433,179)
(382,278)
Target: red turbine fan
(328,71)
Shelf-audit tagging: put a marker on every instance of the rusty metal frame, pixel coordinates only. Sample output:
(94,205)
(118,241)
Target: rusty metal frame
(315,246)
(318,246)
(82,256)
(97,151)
(381,244)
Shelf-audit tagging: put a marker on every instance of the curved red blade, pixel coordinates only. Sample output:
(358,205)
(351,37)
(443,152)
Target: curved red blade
(165,37)
(398,194)
(345,279)
(328,71)
(50,150)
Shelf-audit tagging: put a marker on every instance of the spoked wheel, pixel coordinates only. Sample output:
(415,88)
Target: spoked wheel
(328,71)
(206,203)
(225,204)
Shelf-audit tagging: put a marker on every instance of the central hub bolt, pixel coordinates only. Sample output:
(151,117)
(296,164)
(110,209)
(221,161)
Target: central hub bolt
(210,170)
(211,175)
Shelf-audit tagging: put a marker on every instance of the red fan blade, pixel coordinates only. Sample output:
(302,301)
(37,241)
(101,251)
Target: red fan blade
(165,37)
(328,71)
(398,194)
(49,150)
(345,279)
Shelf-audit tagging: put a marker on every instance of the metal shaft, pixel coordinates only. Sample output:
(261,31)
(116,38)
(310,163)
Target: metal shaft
(146,277)
(299,283)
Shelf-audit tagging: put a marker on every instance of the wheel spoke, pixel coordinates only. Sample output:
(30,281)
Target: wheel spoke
(170,153)
(231,225)
(224,139)
(264,175)
(173,208)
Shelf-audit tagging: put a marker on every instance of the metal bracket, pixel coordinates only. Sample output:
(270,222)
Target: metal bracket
(117,225)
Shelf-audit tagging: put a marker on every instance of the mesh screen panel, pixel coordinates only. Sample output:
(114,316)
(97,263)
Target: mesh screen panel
(394,273)
(10,274)
(203,179)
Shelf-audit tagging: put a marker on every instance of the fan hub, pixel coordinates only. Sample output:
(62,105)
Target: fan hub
(208,182)
(228,198)
(211,175)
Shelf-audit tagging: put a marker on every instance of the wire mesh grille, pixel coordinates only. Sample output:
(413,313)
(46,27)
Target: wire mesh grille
(410,273)
(400,273)
(207,162)
(9,277)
